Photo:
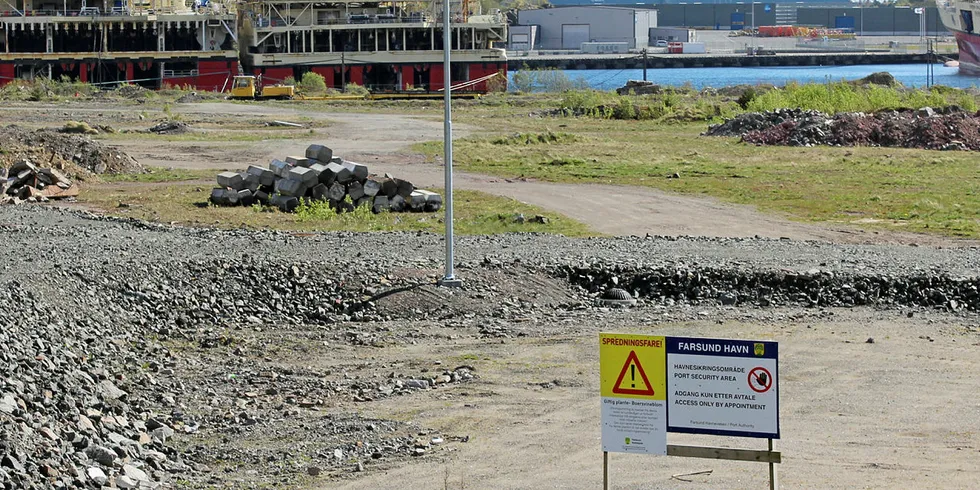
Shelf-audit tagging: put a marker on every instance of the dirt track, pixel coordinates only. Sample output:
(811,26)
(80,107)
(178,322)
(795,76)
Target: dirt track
(853,415)
(382,141)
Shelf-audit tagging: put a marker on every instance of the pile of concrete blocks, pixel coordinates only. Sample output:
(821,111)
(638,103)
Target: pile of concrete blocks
(320,176)
(26,182)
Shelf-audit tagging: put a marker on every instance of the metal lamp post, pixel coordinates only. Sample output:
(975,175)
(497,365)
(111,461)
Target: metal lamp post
(450,279)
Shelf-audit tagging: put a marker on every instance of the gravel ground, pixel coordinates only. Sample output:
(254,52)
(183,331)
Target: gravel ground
(139,355)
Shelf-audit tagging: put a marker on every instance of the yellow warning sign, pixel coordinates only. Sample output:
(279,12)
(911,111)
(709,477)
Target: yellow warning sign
(632,366)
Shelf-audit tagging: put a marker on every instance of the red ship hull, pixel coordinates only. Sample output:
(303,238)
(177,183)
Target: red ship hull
(969,46)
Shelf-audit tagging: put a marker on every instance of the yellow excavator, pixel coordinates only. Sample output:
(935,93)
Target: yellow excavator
(247,87)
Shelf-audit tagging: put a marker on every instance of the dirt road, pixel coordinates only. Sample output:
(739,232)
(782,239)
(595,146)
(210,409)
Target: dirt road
(898,413)
(382,141)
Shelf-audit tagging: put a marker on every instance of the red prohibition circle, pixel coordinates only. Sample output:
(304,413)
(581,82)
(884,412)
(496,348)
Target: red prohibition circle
(754,376)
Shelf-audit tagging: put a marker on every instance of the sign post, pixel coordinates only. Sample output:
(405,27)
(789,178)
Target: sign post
(652,385)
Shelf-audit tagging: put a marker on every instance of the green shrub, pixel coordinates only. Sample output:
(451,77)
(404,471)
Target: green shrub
(355,89)
(524,80)
(624,109)
(746,98)
(312,82)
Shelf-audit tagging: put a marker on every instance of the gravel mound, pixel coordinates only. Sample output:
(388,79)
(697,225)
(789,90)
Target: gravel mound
(948,129)
(122,337)
(76,155)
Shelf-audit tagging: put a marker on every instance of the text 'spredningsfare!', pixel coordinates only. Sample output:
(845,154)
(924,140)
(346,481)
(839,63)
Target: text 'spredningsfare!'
(723,387)
(634,393)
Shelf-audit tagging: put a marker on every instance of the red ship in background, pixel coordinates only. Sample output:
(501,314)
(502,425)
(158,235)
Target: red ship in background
(961,18)
(388,47)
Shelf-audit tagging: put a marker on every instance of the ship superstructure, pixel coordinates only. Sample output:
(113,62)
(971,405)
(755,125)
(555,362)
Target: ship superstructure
(388,46)
(152,43)
(961,17)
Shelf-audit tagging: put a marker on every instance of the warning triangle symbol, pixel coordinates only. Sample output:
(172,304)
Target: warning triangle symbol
(629,381)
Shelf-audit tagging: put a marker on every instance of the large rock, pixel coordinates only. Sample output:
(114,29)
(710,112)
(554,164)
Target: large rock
(306,176)
(433,201)
(340,173)
(320,153)
(224,197)
(265,176)
(355,190)
(360,172)
(288,187)
(380,204)
(231,180)
(298,161)
(280,168)
(286,204)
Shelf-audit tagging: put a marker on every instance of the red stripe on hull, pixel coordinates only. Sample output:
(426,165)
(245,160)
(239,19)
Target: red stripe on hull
(969,46)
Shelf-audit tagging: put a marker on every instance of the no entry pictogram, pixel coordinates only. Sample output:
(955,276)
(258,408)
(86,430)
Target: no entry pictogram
(760,379)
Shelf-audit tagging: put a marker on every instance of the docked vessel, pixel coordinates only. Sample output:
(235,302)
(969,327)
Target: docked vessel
(960,17)
(392,46)
(386,47)
(153,43)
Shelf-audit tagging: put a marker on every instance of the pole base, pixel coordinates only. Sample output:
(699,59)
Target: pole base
(450,282)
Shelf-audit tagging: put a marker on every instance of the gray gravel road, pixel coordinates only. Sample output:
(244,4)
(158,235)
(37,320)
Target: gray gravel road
(69,239)
(120,335)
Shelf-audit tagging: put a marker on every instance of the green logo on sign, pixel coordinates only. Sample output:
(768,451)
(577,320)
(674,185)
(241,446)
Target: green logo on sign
(760,349)
(627,440)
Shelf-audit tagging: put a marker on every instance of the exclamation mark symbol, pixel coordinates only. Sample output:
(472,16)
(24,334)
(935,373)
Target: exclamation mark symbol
(633,374)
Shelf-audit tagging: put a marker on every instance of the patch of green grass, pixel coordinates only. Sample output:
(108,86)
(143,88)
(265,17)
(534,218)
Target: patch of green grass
(547,137)
(161,174)
(475,213)
(211,135)
(912,190)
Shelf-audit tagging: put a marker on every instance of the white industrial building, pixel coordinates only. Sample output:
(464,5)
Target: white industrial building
(569,27)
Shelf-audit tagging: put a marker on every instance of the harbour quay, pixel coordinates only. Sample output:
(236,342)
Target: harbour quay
(637,61)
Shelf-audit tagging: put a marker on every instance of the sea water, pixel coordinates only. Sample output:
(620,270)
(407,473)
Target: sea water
(909,75)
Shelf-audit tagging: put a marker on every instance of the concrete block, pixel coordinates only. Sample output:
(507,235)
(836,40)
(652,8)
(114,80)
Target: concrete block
(433,201)
(231,180)
(304,175)
(359,171)
(405,188)
(380,204)
(319,152)
(324,175)
(355,190)
(252,182)
(280,168)
(364,201)
(261,196)
(341,174)
(292,188)
(416,201)
(264,175)
(319,192)
(372,186)
(336,160)
(245,197)
(397,203)
(343,206)
(224,197)
(336,192)
(286,204)
(299,161)
(318,168)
